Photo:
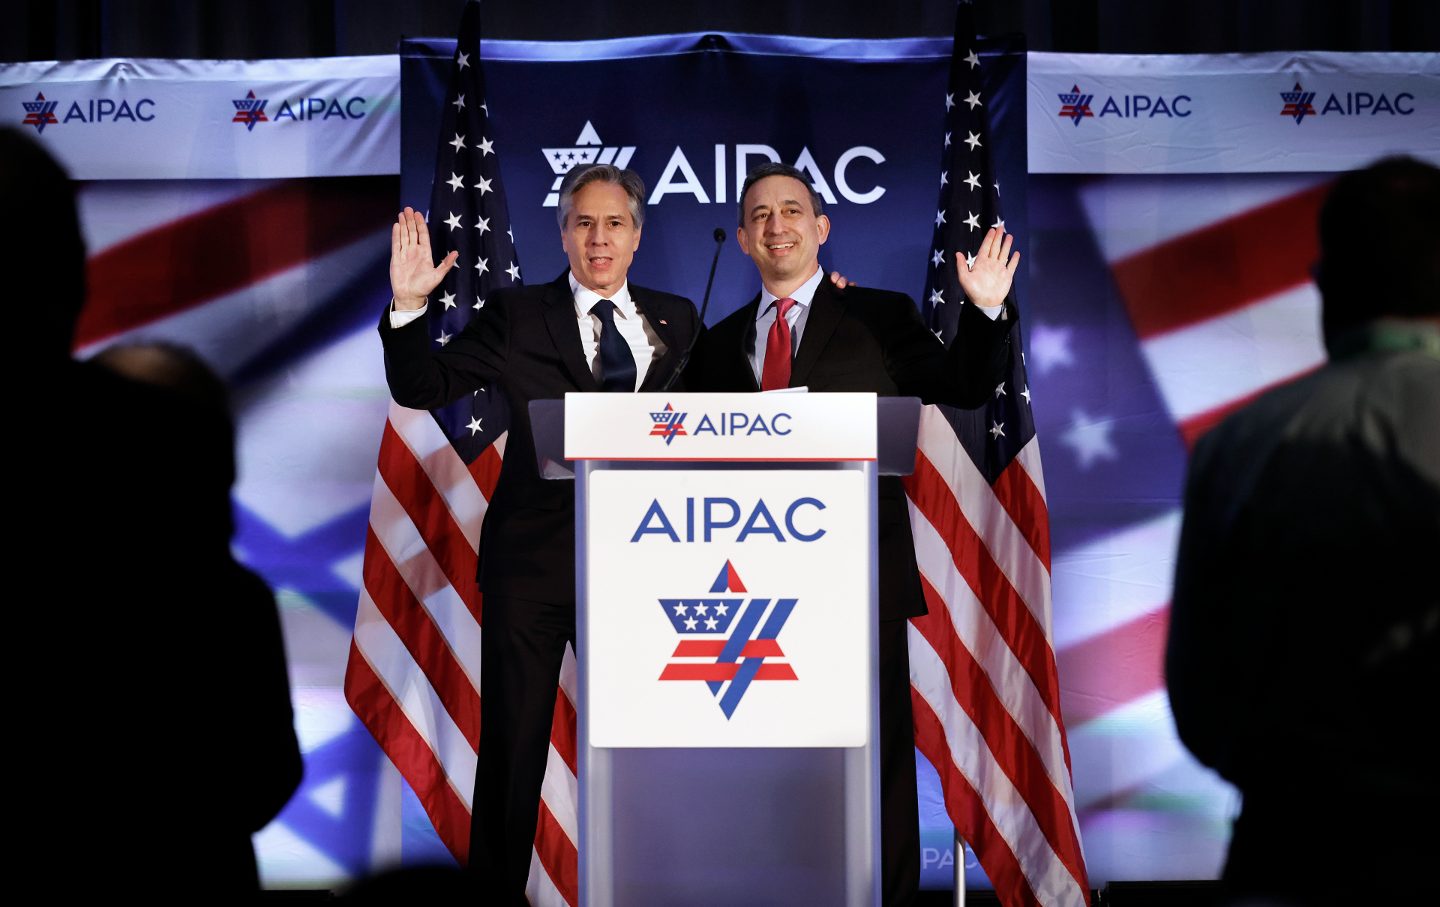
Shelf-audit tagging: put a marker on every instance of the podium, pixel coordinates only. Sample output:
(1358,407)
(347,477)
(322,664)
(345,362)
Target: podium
(726,633)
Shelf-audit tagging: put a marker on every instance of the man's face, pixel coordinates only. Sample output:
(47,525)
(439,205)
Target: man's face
(600,236)
(781,232)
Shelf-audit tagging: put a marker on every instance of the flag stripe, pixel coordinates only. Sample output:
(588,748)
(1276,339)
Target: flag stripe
(1045,785)
(1194,427)
(557,854)
(412,624)
(425,583)
(393,665)
(1025,504)
(431,518)
(963,485)
(1011,615)
(955,615)
(1202,274)
(226,248)
(377,709)
(711,648)
(967,809)
(1045,874)
(464,496)
(1115,667)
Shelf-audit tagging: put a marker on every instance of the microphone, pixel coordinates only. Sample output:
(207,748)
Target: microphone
(719,237)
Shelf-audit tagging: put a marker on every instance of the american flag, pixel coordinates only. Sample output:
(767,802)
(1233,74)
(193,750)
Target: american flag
(984,682)
(413,676)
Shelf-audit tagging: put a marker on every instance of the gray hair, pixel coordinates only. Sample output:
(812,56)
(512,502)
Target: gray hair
(775,168)
(585,174)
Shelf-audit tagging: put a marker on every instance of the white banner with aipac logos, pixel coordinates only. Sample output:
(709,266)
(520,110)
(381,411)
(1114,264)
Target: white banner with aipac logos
(728,608)
(211,119)
(1230,113)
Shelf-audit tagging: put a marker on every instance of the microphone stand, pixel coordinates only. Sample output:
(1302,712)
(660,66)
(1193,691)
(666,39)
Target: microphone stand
(719,236)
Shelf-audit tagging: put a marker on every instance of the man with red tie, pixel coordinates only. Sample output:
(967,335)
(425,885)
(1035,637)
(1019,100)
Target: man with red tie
(802,331)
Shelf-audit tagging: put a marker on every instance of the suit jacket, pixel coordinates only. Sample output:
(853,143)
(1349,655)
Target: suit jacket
(525,338)
(860,339)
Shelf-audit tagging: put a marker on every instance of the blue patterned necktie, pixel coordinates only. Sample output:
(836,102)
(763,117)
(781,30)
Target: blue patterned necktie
(617,363)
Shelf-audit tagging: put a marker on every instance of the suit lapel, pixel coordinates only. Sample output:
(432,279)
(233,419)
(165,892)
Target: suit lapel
(659,316)
(742,343)
(559,314)
(826,311)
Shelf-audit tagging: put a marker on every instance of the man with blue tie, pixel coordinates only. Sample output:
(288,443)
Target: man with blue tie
(588,330)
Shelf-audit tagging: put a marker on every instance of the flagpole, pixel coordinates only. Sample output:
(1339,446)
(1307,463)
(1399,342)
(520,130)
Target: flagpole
(959,870)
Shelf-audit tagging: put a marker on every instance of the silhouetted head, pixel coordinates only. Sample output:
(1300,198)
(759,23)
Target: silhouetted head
(1380,245)
(45,252)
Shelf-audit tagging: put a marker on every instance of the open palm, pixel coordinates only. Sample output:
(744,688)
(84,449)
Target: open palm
(987,278)
(413,272)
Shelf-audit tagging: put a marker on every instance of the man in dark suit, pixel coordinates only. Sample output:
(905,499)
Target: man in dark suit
(802,331)
(589,330)
(1304,647)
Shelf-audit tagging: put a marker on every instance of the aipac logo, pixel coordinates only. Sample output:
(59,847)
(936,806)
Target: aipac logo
(668,424)
(728,640)
(39,113)
(588,149)
(250,110)
(1075,104)
(1298,103)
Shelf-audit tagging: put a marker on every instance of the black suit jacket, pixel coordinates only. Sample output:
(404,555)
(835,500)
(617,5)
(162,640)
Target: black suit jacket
(859,339)
(525,338)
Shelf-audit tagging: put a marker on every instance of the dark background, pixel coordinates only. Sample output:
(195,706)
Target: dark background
(79,29)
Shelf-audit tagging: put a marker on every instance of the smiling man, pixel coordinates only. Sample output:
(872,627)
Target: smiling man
(802,331)
(588,330)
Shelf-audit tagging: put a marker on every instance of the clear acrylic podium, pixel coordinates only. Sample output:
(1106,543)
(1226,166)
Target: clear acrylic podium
(726,617)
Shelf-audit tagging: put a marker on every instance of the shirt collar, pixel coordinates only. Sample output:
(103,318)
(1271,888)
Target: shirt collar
(803,294)
(585,299)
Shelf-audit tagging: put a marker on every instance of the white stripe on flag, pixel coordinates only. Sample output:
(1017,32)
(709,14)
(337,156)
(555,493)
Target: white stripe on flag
(422,574)
(1227,357)
(392,663)
(1115,579)
(446,471)
(1007,808)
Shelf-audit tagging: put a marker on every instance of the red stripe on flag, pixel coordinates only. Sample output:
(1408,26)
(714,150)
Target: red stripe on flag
(1023,501)
(485,469)
(227,248)
(1014,752)
(1012,618)
(410,485)
(562,731)
(721,672)
(1115,667)
(422,639)
(558,856)
(967,809)
(377,709)
(1213,270)
(711,648)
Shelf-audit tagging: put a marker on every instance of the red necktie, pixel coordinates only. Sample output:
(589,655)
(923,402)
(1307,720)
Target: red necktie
(778,349)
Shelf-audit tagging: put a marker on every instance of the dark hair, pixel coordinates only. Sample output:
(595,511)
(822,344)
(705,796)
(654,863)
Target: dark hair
(47,256)
(1380,244)
(775,168)
(585,174)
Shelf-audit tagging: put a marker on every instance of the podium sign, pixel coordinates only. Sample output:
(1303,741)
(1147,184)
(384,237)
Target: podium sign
(726,594)
(723,608)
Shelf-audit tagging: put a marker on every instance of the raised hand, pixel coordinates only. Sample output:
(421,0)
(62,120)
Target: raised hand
(987,281)
(413,272)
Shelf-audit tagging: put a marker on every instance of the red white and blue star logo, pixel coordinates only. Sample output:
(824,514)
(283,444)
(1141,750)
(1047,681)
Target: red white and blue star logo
(250,110)
(727,639)
(39,113)
(1297,103)
(667,423)
(1075,104)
